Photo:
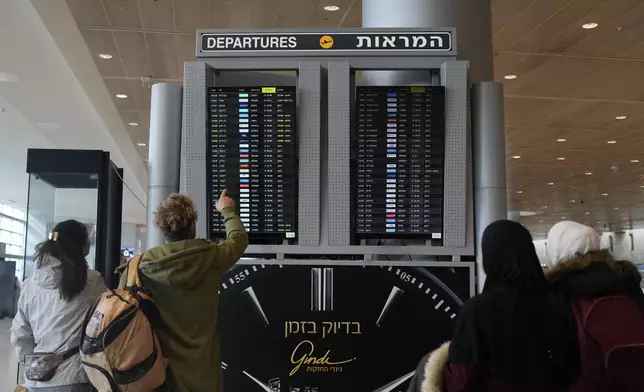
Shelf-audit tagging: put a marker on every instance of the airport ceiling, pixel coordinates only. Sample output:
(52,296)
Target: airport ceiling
(573,72)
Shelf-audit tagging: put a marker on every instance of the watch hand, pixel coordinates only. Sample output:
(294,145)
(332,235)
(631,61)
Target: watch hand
(250,293)
(393,296)
(261,384)
(390,387)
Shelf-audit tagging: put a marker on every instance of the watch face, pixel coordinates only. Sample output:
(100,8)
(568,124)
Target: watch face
(303,328)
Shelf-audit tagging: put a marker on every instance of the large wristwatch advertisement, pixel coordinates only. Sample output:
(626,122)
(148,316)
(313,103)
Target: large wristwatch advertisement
(335,326)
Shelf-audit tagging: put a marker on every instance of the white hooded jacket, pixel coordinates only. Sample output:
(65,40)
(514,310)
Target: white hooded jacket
(45,323)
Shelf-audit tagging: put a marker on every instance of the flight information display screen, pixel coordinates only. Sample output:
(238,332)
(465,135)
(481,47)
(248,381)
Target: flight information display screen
(253,153)
(399,139)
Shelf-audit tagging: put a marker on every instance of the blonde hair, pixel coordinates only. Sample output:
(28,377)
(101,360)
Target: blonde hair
(175,217)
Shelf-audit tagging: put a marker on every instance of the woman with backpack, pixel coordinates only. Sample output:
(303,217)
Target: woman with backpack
(513,337)
(46,330)
(609,325)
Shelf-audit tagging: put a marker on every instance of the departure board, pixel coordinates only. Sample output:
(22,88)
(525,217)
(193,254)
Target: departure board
(399,139)
(253,154)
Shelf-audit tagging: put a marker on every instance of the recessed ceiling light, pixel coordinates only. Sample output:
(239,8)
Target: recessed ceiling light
(589,173)
(551,183)
(624,218)
(641,186)
(563,217)
(331,8)
(620,118)
(545,206)
(516,156)
(121,96)
(133,124)
(561,140)
(540,221)
(105,56)
(616,208)
(611,141)
(604,194)
(635,160)
(587,213)
(141,144)
(519,192)
(572,201)
(561,159)
(589,26)
(510,76)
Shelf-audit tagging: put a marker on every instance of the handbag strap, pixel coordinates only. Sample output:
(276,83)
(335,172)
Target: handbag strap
(70,353)
(133,279)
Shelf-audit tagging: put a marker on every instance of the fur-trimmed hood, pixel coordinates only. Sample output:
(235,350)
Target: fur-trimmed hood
(586,275)
(435,369)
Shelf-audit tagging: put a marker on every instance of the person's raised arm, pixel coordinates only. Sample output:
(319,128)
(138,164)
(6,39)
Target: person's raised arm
(232,249)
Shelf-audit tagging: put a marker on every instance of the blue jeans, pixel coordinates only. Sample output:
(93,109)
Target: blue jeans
(64,388)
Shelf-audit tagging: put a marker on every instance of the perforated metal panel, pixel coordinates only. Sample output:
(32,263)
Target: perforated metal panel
(309,140)
(454,78)
(193,141)
(339,153)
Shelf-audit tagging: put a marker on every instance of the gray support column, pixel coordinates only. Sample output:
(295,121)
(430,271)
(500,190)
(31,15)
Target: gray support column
(403,13)
(472,20)
(164,151)
(490,199)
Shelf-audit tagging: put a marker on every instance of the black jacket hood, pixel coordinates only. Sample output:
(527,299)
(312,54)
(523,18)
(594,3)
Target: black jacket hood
(589,275)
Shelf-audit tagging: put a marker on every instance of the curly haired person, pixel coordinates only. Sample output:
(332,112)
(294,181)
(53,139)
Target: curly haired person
(183,277)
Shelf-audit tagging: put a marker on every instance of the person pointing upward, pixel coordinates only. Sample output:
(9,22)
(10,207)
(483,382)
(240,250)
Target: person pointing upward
(183,277)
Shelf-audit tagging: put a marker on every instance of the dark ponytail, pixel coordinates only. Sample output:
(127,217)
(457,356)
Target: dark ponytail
(67,243)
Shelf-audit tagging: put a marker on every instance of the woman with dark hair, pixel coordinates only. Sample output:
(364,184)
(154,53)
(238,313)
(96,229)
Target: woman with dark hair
(511,337)
(46,331)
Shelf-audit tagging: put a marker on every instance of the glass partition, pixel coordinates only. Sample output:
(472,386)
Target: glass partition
(54,198)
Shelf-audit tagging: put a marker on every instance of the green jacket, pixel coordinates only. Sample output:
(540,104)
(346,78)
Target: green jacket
(183,278)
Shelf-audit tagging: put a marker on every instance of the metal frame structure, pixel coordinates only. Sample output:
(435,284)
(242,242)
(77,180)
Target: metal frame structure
(324,223)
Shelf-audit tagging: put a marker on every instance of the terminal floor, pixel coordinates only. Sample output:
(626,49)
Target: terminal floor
(7,359)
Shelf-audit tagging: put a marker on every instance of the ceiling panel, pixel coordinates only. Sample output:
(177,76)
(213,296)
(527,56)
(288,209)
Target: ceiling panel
(191,15)
(326,19)
(505,11)
(88,13)
(122,14)
(134,53)
(228,14)
(186,47)
(120,86)
(141,94)
(261,14)
(572,15)
(294,13)
(526,20)
(596,41)
(353,17)
(157,15)
(102,41)
(163,54)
